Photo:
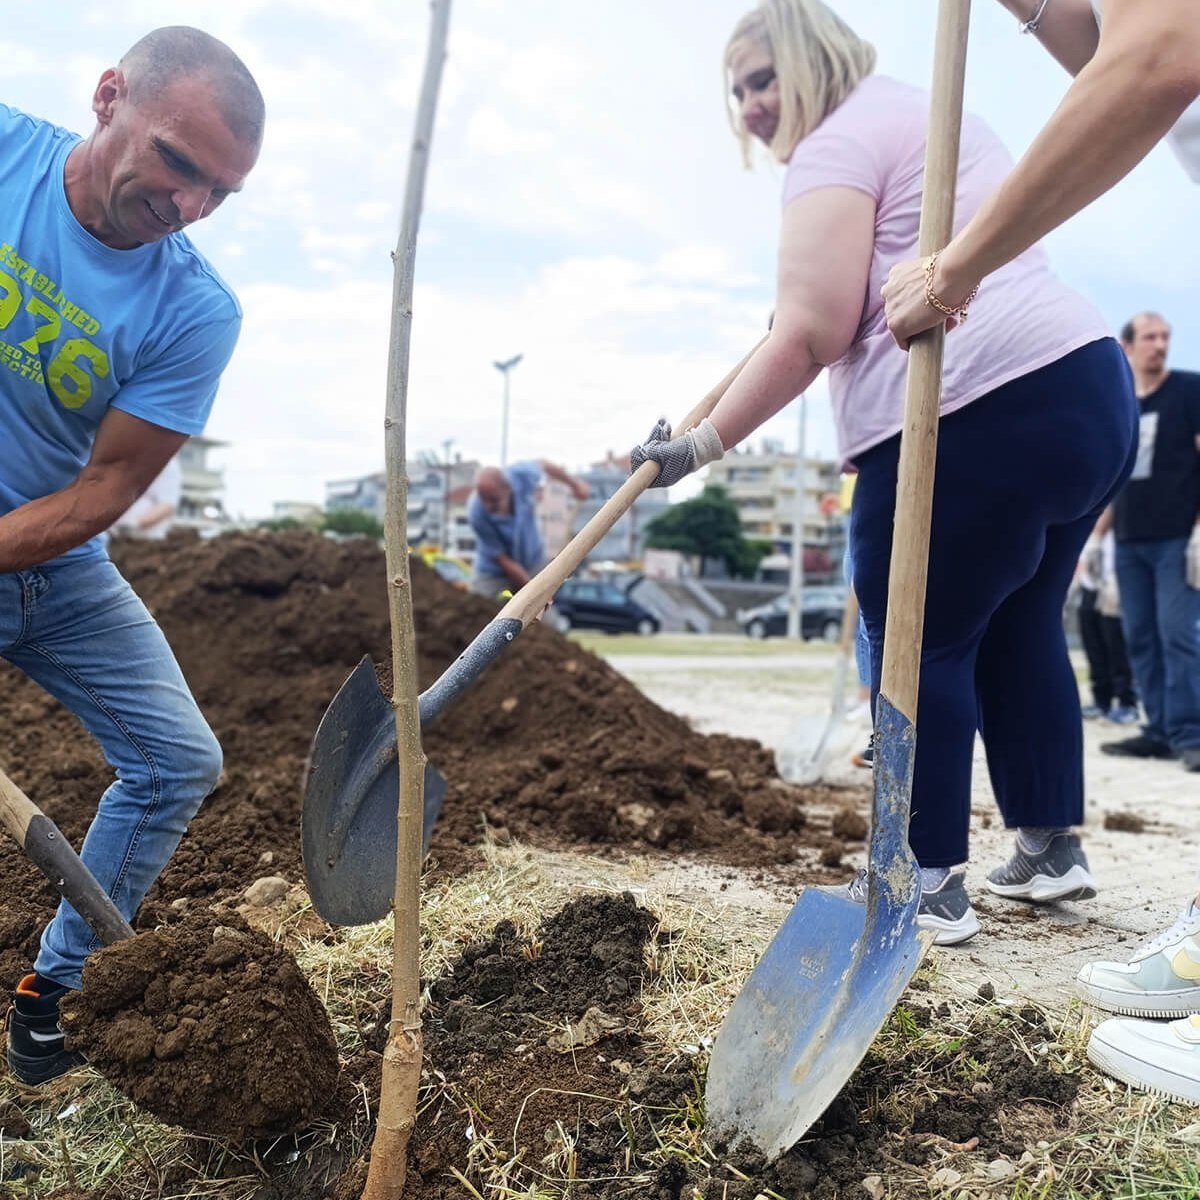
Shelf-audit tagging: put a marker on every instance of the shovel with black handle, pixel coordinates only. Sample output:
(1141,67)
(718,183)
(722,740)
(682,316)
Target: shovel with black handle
(834,971)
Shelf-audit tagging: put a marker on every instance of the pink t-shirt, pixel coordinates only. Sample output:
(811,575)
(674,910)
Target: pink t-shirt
(1023,317)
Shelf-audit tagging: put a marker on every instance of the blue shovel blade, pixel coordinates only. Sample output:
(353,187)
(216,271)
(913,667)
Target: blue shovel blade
(827,982)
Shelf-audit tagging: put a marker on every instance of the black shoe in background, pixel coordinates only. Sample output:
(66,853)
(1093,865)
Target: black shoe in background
(1138,746)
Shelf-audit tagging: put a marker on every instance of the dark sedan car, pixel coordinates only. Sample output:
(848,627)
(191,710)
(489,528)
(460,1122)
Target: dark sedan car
(821,618)
(591,604)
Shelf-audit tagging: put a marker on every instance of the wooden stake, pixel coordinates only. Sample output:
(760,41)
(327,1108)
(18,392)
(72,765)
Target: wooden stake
(402,1055)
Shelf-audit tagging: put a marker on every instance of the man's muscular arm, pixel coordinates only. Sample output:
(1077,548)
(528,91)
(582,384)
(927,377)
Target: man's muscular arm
(126,456)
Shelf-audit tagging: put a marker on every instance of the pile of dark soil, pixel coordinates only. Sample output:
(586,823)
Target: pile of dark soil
(211,1028)
(551,745)
(536,1046)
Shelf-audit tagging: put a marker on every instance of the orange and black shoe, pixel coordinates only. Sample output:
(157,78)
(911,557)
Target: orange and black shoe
(37,1050)
(866,756)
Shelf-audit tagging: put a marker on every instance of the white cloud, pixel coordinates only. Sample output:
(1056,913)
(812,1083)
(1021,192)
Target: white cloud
(491,133)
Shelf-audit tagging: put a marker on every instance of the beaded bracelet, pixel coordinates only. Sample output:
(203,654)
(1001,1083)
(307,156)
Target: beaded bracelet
(934,301)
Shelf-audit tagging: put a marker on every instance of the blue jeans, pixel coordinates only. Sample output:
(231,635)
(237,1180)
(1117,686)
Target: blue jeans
(862,640)
(1161,618)
(1022,474)
(78,630)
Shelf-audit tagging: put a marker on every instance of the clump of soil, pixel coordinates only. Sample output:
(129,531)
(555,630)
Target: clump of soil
(849,825)
(212,1029)
(1125,822)
(550,745)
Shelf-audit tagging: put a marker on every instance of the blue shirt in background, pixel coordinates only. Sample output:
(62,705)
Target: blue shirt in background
(84,327)
(514,535)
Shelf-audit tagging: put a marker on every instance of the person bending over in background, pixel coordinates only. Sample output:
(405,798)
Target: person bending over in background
(502,513)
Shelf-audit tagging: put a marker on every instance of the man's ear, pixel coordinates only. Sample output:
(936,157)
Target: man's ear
(110,91)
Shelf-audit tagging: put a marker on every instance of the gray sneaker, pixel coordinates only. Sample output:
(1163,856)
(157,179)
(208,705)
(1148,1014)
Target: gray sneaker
(947,911)
(1060,872)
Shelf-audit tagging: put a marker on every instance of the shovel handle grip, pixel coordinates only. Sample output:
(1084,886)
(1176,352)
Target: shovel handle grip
(530,602)
(49,851)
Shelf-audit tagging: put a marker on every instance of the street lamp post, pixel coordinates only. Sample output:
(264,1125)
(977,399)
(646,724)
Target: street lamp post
(446,496)
(505,368)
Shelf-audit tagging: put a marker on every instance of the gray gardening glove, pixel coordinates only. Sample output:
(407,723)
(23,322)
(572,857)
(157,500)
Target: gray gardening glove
(1092,560)
(677,457)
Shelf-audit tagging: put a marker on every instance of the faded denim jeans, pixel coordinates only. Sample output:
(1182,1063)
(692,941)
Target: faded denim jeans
(78,630)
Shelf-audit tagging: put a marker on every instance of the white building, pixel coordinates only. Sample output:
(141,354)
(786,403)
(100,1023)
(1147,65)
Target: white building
(202,502)
(762,484)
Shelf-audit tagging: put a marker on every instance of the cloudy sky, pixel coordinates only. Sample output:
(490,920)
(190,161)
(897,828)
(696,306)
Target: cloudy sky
(585,207)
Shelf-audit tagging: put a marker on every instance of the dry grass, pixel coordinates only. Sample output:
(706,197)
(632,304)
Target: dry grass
(1117,1143)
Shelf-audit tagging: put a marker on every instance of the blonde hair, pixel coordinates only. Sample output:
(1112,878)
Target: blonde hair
(819,60)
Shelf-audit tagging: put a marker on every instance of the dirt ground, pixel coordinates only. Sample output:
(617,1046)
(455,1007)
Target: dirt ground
(1145,875)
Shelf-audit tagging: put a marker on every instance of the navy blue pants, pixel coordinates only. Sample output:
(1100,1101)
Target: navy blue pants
(1022,474)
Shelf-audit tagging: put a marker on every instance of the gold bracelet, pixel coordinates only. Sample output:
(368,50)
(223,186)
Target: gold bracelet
(935,301)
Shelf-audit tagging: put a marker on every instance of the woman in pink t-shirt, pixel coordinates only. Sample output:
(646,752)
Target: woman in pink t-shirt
(1037,433)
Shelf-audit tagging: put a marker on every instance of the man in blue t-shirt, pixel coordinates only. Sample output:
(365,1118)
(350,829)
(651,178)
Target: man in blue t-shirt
(114,332)
(503,516)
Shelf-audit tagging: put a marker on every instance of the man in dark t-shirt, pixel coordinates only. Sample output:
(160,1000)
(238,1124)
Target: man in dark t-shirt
(1155,518)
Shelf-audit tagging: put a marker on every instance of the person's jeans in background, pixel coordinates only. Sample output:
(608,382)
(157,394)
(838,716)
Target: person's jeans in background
(862,642)
(78,630)
(1161,618)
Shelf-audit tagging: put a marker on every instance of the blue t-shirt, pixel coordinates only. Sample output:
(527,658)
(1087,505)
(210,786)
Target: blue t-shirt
(514,535)
(84,327)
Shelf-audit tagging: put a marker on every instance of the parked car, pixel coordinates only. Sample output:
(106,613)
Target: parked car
(592,604)
(821,616)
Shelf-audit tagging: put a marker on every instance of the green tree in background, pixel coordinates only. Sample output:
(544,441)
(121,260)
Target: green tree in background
(707,526)
(351,520)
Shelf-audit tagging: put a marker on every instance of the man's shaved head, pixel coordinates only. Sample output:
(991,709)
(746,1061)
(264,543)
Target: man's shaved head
(175,52)
(493,489)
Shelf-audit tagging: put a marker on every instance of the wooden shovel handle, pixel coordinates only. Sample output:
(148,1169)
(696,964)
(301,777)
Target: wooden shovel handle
(52,854)
(530,602)
(918,442)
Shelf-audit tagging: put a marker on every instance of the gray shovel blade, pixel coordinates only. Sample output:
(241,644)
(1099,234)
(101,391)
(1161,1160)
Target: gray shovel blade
(348,823)
(827,982)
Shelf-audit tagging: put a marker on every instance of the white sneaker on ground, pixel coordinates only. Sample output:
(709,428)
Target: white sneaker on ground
(1162,979)
(1159,1058)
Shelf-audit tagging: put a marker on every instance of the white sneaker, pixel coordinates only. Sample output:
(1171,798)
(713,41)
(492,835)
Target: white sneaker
(1162,979)
(1164,1059)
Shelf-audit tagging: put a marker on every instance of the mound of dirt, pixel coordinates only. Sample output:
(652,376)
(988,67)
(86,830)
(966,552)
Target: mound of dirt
(551,745)
(212,1029)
